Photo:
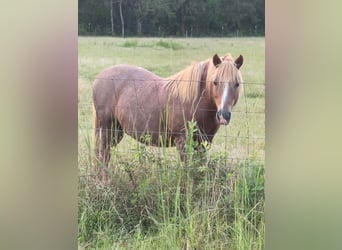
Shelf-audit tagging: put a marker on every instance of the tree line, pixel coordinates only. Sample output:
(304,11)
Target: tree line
(184,18)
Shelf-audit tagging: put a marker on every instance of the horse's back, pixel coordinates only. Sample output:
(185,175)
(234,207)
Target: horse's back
(121,81)
(125,72)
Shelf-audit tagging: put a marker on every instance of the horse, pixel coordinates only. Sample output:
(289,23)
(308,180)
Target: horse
(132,100)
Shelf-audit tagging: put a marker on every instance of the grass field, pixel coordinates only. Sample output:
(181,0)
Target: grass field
(157,202)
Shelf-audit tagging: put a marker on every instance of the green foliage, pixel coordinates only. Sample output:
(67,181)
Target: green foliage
(169,44)
(174,18)
(166,204)
(130,43)
(163,204)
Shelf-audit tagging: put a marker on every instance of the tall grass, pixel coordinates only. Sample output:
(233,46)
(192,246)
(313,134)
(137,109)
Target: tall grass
(160,203)
(155,201)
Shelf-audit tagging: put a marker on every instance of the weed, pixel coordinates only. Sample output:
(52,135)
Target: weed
(130,44)
(169,44)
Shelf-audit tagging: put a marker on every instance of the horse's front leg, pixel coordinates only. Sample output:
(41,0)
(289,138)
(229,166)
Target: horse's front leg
(201,151)
(186,153)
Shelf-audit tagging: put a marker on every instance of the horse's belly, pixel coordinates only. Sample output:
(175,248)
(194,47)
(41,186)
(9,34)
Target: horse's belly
(148,128)
(152,138)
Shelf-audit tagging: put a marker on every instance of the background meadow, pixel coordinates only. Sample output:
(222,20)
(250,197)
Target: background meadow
(154,200)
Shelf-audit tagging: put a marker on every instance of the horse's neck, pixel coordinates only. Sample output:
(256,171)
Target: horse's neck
(206,102)
(206,117)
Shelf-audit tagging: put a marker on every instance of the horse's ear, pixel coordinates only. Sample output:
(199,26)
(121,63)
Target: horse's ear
(239,61)
(216,60)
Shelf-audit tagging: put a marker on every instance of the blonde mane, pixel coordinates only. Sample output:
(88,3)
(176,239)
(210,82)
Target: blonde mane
(186,84)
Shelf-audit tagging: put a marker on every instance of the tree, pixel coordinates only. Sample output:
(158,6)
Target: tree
(122,19)
(112,15)
(172,17)
(141,10)
(151,11)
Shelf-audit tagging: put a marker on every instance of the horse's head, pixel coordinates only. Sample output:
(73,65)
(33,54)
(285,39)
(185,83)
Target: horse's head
(225,82)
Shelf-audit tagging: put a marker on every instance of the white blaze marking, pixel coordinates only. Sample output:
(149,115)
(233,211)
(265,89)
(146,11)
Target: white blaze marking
(224,97)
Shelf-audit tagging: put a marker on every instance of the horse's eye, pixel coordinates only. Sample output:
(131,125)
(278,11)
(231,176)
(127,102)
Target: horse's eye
(236,85)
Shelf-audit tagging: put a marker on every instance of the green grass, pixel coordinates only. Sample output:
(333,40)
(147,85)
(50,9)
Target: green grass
(130,43)
(155,201)
(169,44)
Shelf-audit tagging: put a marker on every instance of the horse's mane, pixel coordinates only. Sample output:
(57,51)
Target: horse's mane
(186,85)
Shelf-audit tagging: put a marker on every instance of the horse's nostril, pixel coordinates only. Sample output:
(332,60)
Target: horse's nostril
(223,117)
(226,115)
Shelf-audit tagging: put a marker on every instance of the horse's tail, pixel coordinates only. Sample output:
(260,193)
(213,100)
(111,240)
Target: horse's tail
(96,134)
(95,123)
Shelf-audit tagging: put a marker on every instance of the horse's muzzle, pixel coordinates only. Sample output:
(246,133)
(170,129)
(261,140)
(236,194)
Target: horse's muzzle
(223,117)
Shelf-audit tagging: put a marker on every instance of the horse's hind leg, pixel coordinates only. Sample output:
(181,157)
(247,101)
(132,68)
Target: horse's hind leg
(117,132)
(103,137)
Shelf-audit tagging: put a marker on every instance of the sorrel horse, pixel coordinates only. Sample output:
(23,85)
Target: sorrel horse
(133,100)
